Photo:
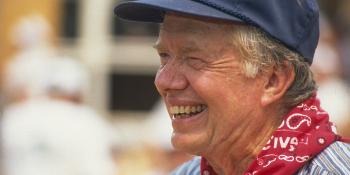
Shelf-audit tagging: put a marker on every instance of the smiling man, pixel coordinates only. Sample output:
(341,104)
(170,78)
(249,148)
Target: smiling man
(235,77)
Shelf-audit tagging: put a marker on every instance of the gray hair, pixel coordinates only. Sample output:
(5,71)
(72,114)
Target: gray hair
(259,52)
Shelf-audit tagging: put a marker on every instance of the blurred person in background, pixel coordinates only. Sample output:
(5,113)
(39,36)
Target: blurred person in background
(236,80)
(333,90)
(26,71)
(47,130)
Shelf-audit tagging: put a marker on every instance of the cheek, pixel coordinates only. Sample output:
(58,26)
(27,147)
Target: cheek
(222,99)
(215,91)
(227,99)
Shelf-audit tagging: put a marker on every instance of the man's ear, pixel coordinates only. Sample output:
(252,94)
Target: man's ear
(278,80)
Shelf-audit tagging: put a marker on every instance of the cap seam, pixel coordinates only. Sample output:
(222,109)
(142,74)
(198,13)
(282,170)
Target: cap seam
(228,11)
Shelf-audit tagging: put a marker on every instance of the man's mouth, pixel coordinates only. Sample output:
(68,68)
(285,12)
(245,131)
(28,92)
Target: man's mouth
(182,112)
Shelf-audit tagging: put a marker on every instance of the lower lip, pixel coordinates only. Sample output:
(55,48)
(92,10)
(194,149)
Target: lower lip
(186,122)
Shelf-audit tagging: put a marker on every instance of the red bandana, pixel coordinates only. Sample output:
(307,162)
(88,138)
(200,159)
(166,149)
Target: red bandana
(304,132)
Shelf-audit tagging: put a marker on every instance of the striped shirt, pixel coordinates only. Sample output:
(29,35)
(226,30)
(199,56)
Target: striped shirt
(334,160)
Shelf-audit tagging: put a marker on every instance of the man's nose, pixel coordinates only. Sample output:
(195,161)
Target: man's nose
(170,77)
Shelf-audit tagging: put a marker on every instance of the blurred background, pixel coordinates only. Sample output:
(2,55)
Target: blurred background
(77,93)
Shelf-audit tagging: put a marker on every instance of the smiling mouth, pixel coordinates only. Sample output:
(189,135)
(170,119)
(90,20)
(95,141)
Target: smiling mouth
(182,112)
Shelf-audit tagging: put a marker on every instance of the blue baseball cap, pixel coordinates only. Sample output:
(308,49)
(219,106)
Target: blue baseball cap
(295,23)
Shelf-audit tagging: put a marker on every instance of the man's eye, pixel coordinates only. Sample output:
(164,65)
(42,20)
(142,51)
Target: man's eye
(164,58)
(162,55)
(196,63)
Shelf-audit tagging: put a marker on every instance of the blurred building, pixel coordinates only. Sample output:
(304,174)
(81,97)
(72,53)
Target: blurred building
(118,53)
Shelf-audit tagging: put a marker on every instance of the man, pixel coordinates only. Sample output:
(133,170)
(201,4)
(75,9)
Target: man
(236,81)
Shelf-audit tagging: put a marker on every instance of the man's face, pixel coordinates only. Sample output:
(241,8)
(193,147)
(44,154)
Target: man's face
(200,79)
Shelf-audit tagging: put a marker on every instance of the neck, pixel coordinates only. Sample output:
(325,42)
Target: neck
(234,154)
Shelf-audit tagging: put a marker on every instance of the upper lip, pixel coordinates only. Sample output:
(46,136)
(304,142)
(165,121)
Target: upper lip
(173,101)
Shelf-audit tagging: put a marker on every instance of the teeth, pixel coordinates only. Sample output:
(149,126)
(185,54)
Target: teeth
(182,109)
(175,110)
(193,109)
(187,110)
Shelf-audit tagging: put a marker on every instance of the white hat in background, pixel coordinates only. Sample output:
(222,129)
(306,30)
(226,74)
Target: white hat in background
(67,77)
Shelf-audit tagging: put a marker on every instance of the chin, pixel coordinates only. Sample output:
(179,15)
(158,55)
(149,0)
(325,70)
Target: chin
(188,144)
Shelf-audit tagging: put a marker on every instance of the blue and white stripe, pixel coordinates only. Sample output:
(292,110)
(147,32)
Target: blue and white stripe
(191,167)
(334,160)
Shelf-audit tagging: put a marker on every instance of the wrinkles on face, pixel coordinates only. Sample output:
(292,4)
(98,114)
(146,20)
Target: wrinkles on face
(205,49)
(200,65)
(223,67)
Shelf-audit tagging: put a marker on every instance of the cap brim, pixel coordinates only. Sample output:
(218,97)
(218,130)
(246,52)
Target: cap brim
(154,10)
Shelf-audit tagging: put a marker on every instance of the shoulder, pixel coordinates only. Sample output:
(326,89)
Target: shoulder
(191,167)
(335,159)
